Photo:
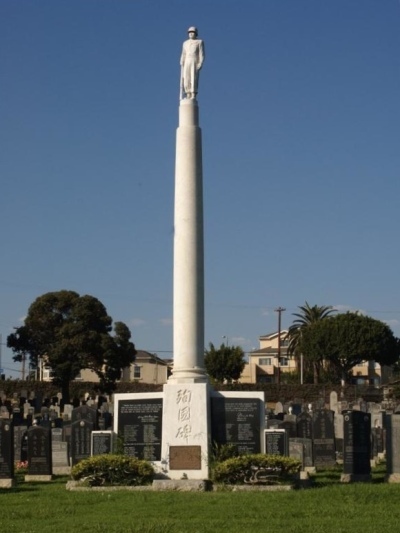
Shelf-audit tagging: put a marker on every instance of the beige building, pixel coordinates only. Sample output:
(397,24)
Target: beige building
(265,366)
(147,368)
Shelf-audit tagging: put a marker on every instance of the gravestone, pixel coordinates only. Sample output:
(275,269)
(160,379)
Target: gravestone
(276,442)
(392,425)
(81,431)
(17,416)
(67,414)
(333,402)
(297,406)
(273,423)
(377,442)
(84,412)
(102,442)
(140,427)
(39,454)
(304,426)
(323,438)
(290,424)
(308,460)
(278,408)
(338,423)
(19,432)
(357,446)
(236,421)
(4,412)
(296,451)
(6,454)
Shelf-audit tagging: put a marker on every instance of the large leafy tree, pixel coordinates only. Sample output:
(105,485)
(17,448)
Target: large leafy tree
(71,333)
(347,339)
(225,363)
(309,315)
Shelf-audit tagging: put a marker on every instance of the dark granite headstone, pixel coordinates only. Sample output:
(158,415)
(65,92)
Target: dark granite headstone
(304,426)
(140,427)
(236,421)
(357,444)
(290,424)
(84,412)
(39,451)
(17,416)
(19,432)
(323,438)
(297,408)
(81,431)
(6,450)
(273,423)
(102,442)
(392,424)
(276,442)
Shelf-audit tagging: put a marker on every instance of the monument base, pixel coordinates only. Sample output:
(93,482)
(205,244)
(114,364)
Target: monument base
(33,478)
(186,431)
(393,478)
(354,478)
(182,485)
(7,483)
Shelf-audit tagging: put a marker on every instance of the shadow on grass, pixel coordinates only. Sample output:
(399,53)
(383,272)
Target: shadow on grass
(332,476)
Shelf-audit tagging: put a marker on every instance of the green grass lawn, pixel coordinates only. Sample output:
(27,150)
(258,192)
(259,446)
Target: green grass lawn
(327,507)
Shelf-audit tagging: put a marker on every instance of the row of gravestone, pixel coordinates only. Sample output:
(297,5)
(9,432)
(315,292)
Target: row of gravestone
(319,438)
(23,404)
(57,445)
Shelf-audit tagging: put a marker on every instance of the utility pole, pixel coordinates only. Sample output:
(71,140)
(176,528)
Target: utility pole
(279,310)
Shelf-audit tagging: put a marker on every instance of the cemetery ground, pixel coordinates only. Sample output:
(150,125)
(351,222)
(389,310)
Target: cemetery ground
(328,507)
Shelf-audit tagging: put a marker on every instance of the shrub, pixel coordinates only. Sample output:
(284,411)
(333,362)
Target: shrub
(238,469)
(113,470)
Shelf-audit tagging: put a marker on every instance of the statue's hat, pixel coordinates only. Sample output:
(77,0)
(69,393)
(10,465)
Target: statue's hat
(192,29)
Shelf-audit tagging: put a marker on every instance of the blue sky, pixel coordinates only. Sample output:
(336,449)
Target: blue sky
(299,108)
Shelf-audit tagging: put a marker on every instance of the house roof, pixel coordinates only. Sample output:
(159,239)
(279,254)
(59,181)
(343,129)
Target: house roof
(146,357)
(284,332)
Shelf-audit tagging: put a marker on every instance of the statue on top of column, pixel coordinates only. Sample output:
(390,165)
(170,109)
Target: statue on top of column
(191,62)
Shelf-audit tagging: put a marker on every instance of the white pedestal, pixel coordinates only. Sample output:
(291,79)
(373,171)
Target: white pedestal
(186,431)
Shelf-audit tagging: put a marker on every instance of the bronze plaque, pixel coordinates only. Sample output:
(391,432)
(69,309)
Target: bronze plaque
(185,457)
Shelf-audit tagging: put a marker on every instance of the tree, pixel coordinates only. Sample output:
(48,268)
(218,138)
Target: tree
(225,363)
(348,339)
(72,333)
(309,315)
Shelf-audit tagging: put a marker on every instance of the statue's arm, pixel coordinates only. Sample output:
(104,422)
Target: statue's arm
(202,55)
(183,55)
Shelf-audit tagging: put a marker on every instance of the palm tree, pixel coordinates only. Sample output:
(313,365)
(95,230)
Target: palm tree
(309,315)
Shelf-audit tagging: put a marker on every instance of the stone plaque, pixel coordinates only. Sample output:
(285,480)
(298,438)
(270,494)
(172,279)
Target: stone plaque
(6,450)
(185,457)
(101,442)
(39,451)
(276,442)
(140,427)
(59,453)
(236,421)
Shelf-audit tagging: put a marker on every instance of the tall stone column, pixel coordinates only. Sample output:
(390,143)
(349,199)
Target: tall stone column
(188,320)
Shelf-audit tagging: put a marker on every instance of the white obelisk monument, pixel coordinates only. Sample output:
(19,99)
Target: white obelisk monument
(188,225)
(186,396)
